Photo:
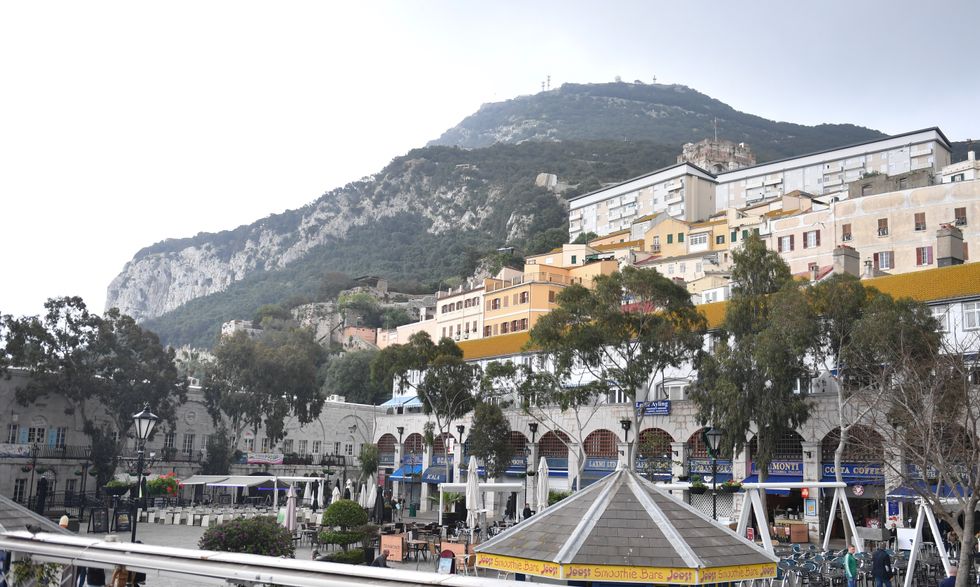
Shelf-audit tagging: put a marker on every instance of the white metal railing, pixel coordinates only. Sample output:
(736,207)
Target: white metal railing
(219,567)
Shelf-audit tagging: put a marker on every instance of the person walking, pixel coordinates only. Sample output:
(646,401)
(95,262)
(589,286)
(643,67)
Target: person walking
(881,567)
(527,513)
(851,567)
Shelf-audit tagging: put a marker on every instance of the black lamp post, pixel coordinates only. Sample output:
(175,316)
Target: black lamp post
(533,427)
(713,438)
(401,463)
(145,421)
(626,423)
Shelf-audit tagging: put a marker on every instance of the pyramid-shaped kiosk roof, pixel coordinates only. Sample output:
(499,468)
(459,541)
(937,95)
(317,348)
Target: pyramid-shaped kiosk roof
(624,528)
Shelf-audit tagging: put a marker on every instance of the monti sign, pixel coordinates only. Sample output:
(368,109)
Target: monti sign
(660,407)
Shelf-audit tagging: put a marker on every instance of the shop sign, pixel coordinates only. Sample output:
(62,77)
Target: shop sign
(653,464)
(441,460)
(645,575)
(411,459)
(518,462)
(386,458)
(15,450)
(524,566)
(864,470)
(597,464)
(783,468)
(660,407)
(264,458)
(703,466)
(557,463)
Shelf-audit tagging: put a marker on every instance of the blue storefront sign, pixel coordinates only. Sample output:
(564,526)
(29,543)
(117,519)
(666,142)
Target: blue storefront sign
(855,472)
(411,459)
(660,407)
(442,460)
(386,459)
(703,467)
(788,468)
(600,464)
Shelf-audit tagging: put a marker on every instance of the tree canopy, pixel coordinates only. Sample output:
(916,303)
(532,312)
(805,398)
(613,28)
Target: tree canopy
(106,367)
(489,439)
(264,380)
(751,380)
(349,375)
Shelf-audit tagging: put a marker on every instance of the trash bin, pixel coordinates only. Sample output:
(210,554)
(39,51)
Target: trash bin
(412,508)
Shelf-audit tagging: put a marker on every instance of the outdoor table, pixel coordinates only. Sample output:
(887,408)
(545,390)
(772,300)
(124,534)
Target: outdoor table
(415,547)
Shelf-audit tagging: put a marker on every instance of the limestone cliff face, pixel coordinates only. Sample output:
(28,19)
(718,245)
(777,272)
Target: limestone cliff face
(169,274)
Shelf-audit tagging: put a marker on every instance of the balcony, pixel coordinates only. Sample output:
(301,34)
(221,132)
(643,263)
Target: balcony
(542,277)
(675,198)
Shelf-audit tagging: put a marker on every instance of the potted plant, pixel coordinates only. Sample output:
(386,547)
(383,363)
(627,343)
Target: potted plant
(369,532)
(697,486)
(260,535)
(164,485)
(731,486)
(344,518)
(116,488)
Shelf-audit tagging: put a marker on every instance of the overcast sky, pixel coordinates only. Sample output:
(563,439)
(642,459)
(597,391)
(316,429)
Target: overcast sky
(125,123)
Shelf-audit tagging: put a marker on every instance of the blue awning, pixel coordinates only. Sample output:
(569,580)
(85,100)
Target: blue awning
(943,491)
(434,474)
(775,479)
(398,401)
(402,473)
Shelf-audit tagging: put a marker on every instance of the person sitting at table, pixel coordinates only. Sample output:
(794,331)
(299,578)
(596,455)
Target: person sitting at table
(381,560)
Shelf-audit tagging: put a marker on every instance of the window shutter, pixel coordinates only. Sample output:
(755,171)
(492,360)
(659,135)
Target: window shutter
(23,435)
(929,253)
(791,239)
(818,238)
(918,256)
(876,260)
(779,244)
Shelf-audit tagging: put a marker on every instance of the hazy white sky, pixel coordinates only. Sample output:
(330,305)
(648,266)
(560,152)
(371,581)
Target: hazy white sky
(125,123)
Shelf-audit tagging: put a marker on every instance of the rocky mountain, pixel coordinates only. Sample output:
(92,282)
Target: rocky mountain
(434,212)
(666,114)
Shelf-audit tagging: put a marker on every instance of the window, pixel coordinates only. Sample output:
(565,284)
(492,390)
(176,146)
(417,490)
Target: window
(697,268)
(882,227)
(349,449)
(903,182)
(846,233)
(574,259)
(60,436)
(523,323)
(941,314)
(188,443)
(960,214)
(785,244)
(287,445)
(811,239)
(12,430)
(494,330)
(670,269)
(170,440)
(336,448)
(250,445)
(734,234)
(971,315)
(920,220)
(504,328)
(20,490)
(525,296)
(495,304)
(505,301)
(486,331)
(513,325)
(551,296)
(516,299)
(267,444)
(682,269)
(680,237)
(745,234)
(923,256)
(720,239)
(316,447)
(884,260)
(699,239)
(444,332)
(70,486)
(957,177)
(670,239)
(35,435)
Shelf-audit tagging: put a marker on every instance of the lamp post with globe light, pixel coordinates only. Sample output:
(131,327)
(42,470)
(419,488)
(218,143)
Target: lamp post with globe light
(713,440)
(145,421)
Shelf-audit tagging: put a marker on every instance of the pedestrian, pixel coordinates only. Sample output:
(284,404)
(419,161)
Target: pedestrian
(893,536)
(398,509)
(949,581)
(381,560)
(527,513)
(881,567)
(851,567)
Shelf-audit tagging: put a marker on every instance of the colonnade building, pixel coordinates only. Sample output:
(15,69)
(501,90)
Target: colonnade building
(669,445)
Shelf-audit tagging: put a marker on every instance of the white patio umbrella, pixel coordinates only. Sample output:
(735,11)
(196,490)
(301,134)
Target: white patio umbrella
(290,521)
(362,496)
(335,494)
(472,495)
(542,485)
(307,494)
(320,494)
(372,492)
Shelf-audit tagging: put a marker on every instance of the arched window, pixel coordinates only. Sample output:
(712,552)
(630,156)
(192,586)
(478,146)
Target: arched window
(789,447)
(551,445)
(864,445)
(601,443)
(413,444)
(439,445)
(386,444)
(654,443)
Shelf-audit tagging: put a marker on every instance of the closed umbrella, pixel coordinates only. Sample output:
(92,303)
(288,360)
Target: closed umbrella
(319,493)
(335,495)
(472,495)
(290,521)
(542,484)
(307,494)
(362,496)
(372,496)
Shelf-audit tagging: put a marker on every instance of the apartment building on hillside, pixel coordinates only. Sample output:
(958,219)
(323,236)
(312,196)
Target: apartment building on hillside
(687,192)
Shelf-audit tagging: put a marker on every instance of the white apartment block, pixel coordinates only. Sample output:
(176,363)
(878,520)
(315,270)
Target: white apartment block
(689,193)
(459,312)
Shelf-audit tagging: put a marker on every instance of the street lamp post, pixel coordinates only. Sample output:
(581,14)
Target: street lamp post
(145,421)
(626,423)
(713,438)
(401,457)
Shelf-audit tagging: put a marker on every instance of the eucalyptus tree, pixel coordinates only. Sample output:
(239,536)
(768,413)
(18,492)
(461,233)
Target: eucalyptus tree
(750,380)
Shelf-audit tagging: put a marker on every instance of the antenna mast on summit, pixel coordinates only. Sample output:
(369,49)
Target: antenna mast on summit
(716,129)
(549,82)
